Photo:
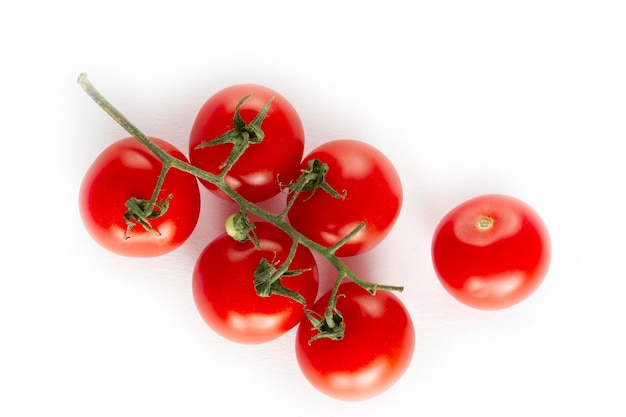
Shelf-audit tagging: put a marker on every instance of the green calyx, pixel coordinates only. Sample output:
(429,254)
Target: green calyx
(330,326)
(242,134)
(314,177)
(267,281)
(310,179)
(140,212)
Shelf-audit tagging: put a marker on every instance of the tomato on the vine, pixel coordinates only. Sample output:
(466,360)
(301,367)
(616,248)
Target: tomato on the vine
(374,353)
(373,195)
(127,169)
(224,286)
(257,174)
(491,252)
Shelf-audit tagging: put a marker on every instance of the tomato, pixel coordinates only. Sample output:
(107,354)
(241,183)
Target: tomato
(127,169)
(373,195)
(491,252)
(257,173)
(224,287)
(374,353)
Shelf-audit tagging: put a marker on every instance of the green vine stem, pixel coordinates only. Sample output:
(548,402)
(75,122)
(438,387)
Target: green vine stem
(305,183)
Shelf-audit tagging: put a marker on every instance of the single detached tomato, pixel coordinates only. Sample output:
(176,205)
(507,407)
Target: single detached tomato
(373,195)
(125,170)
(224,286)
(491,252)
(257,173)
(374,353)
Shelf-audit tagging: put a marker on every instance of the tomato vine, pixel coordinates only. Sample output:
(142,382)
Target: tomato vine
(312,179)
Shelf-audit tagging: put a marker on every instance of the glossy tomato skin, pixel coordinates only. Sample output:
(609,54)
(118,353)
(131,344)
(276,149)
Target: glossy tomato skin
(374,196)
(257,173)
(491,252)
(375,352)
(223,286)
(128,169)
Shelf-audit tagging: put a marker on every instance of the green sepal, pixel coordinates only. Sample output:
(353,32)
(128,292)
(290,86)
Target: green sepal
(267,281)
(320,323)
(138,213)
(242,134)
(314,177)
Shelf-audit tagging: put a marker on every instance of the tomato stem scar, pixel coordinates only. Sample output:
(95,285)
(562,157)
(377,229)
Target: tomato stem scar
(484,223)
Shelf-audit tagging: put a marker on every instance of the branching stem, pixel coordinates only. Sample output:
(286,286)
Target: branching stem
(278,220)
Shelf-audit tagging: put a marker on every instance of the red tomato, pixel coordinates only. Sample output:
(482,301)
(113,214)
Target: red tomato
(374,353)
(374,196)
(491,252)
(257,173)
(128,169)
(224,291)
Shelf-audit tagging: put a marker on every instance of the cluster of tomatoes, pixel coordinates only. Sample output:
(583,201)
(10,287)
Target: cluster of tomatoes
(247,145)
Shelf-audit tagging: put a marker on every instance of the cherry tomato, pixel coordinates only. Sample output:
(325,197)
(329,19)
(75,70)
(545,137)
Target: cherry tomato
(491,252)
(374,353)
(127,169)
(224,287)
(373,195)
(257,173)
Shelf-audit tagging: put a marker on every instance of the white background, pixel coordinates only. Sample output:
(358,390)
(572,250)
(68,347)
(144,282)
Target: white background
(522,98)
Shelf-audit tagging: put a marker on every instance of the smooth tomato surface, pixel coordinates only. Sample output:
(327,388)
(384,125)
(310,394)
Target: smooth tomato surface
(374,196)
(224,293)
(491,252)
(375,352)
(256,174)
(127,169)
